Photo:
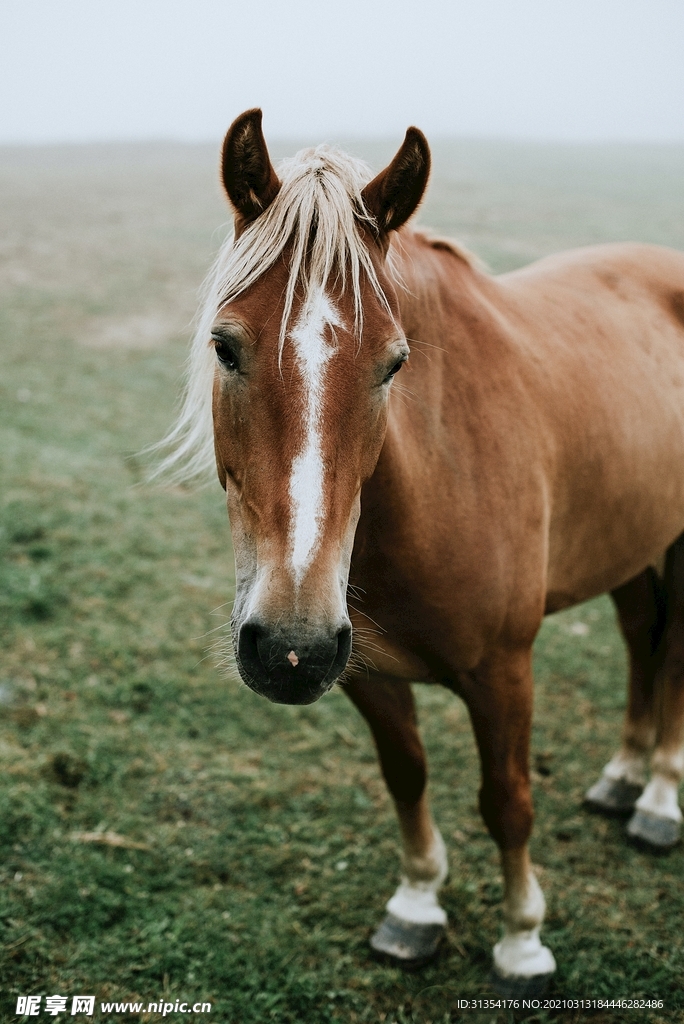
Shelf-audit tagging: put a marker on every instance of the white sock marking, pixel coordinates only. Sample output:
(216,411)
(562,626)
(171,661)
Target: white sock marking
(660,798)
(522,955)
(520,952)
(417,904)
(628,766)
(416,901)
(306,481)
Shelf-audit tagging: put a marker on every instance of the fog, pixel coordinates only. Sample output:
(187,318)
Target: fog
(86,70)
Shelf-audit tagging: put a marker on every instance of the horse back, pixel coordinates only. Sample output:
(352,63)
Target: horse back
(608,325)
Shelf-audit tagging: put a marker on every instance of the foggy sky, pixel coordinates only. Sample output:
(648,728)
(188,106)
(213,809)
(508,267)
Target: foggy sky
(81,70)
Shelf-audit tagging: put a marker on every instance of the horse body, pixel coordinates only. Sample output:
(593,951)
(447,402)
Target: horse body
(535,462)
(530,458)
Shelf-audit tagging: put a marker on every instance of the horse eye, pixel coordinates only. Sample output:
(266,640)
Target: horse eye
(225,353)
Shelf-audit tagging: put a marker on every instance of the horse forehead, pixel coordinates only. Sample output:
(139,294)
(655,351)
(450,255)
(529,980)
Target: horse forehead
(262,305)
(318,317)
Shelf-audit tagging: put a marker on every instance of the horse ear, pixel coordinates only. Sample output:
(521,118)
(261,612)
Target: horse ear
(246,168)
(395,193)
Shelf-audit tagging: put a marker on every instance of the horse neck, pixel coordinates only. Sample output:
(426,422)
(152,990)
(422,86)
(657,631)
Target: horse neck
(457,325)
(435,279)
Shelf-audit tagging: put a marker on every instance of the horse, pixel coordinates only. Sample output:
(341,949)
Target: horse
(534,460)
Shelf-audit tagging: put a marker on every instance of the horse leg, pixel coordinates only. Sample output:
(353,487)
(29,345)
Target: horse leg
(640,606)
(657,817)
(499,699)
(415,922)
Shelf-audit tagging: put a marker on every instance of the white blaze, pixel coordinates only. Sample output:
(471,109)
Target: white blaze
(306,481)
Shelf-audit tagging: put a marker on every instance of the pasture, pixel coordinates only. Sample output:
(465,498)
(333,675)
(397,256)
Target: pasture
(164,832)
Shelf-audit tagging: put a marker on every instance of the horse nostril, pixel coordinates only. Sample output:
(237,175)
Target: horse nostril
(344,641)
(248,643)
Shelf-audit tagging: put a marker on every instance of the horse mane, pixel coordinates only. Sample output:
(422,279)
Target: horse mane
(316,214)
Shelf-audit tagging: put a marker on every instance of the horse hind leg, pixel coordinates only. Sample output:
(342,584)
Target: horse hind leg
(657,817)
(640,605)
(415,923)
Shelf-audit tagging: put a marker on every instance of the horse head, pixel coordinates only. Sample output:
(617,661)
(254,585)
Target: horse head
(306,339)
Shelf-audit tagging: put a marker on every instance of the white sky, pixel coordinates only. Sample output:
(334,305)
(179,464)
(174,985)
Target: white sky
(79,70)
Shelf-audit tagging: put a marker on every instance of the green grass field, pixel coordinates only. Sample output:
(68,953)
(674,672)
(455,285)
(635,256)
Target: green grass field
(259,845)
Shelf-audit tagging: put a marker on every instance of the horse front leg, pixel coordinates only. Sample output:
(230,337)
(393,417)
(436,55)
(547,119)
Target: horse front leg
(415,923)
(499,699)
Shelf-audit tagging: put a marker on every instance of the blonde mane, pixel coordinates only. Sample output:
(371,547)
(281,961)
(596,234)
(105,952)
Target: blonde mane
(316,213)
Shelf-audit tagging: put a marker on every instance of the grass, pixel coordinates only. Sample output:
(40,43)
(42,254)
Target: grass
(259,843)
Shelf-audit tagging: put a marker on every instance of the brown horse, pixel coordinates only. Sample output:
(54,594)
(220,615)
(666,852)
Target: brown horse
(536,459)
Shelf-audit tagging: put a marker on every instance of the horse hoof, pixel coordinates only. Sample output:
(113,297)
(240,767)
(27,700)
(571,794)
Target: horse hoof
(613,796)
(410,944)
(653,831)
(511,986)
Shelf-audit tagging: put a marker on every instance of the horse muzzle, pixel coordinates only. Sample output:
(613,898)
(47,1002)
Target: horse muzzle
(291,666)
